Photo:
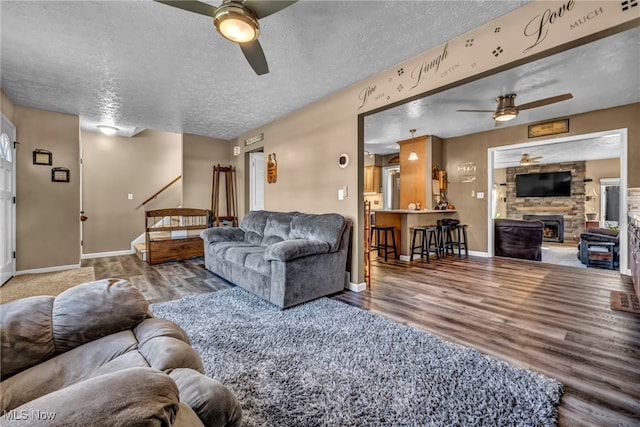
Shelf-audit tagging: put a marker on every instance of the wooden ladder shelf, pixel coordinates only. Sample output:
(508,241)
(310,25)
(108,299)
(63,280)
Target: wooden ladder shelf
(231,216)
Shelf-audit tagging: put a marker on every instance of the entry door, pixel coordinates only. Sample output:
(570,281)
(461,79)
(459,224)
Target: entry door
(256,179)
(7,206)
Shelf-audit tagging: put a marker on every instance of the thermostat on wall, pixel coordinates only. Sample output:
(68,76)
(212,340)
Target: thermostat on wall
(343,160)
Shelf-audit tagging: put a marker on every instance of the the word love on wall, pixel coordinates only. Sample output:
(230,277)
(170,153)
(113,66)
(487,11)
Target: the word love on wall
(530,30)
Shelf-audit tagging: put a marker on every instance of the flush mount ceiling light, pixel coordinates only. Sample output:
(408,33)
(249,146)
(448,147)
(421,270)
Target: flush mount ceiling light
(236,23)
(506,108)
(107,130)
(413,155)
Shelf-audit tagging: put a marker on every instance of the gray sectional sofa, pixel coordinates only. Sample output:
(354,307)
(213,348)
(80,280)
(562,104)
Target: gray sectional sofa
(286,258)
(95,356)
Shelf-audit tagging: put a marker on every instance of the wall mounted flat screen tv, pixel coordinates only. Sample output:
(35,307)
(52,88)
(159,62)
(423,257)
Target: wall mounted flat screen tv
(543,184)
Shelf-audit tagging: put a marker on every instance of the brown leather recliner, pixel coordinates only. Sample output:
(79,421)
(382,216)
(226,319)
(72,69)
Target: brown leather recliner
(518,238)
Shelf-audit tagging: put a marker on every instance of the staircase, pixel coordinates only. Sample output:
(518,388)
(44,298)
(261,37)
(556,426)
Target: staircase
(141,250)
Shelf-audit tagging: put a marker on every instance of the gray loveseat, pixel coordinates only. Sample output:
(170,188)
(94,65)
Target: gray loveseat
(95,356)
(286,258)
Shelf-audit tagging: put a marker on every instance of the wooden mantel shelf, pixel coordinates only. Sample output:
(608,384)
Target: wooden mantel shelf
(544,208)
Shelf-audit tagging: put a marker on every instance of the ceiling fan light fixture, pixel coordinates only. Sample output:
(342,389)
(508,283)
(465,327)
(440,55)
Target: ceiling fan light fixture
(107,129)
(236,23)
(506,108)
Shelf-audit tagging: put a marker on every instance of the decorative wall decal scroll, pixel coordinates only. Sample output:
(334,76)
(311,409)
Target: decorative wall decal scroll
(628,4)
(420,72)
(538,28)
(528,30)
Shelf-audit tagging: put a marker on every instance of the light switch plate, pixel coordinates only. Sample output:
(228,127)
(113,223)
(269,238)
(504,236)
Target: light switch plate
(480,195)
(130,196)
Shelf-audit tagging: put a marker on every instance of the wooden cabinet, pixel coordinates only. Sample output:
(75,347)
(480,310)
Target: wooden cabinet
(589,224)
(372,179)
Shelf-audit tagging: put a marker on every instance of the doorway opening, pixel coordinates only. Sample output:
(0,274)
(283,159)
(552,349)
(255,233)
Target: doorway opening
(617,139)
(256,180)
(7,198)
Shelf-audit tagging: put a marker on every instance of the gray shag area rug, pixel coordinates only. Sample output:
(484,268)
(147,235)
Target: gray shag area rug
(326,363)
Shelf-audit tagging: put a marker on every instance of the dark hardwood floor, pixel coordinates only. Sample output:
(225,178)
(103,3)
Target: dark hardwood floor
(160,282)
(551,319)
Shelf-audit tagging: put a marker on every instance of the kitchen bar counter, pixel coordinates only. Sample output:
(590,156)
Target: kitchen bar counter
(404,219)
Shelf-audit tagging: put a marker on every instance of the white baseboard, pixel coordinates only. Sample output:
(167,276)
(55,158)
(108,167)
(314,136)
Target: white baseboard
(105,254)
(47,269)
(357,287)
(471,253)
(480,254)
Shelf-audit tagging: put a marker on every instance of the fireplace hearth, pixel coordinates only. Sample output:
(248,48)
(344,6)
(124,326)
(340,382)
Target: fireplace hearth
(553,230)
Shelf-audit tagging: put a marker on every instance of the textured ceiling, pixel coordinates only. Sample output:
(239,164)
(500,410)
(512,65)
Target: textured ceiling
(141,64)
(603,147)
(600,75)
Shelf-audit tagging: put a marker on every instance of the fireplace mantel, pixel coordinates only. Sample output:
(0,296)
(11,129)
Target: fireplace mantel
(543,208)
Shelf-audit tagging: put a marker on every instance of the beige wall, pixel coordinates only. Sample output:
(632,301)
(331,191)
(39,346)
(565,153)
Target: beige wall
(307,144)
(199,155)
(47,224)
(474,147)
(6,106)
(597,170)
(114,167)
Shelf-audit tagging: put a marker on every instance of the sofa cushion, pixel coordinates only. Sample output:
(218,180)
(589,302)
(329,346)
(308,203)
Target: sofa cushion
(64,369)
(26,334)
(253,225)
(292,249)
(132,397)
(95,309)
(213,402)
(278,228)
(325,227)
(220,248)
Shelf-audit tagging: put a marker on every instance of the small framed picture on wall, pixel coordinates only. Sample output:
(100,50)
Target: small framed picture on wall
(42,157)
(60,175)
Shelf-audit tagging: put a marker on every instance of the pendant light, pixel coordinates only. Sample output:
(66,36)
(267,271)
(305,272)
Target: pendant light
(413,155)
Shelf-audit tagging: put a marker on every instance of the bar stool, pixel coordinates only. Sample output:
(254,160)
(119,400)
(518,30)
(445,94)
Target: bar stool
(460,241)
(421,245)
(381,230)
(432,241)
(429,242)
(445,238)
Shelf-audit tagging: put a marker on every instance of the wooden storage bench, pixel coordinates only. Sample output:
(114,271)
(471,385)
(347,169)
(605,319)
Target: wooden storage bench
(174,234)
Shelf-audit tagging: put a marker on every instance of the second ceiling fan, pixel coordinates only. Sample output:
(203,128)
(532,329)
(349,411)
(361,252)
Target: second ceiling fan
(507,109)
(237,21)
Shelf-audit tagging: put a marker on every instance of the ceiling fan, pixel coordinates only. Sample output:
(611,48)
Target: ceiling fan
(237,21)
(527,160)
(507,110)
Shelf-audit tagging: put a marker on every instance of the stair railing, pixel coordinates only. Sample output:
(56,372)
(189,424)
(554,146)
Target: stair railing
(157,193)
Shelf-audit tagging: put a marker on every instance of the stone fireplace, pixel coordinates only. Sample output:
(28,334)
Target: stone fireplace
(571,209)
(553,230)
